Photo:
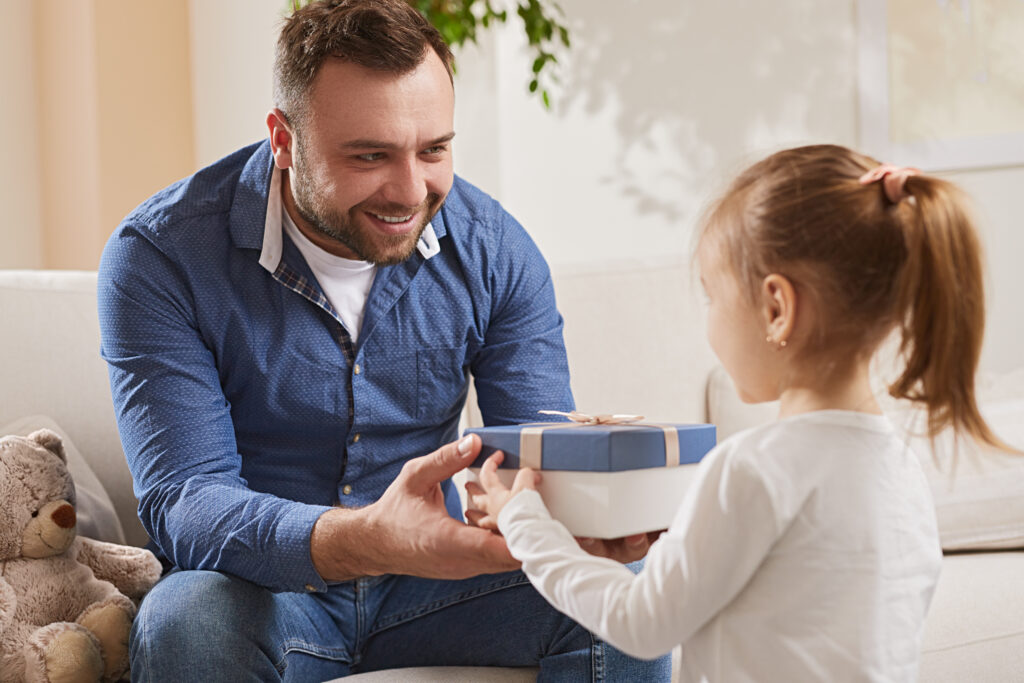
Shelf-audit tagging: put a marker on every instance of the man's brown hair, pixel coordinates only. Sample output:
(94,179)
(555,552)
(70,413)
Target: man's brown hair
(384,35)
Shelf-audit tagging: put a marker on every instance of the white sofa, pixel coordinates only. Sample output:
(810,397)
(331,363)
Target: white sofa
(636,345)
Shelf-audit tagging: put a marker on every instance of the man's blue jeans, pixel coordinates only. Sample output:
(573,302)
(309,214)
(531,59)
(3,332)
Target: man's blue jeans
(208,626)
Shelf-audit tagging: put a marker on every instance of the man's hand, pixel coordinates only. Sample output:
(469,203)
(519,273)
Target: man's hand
(408,530)
(627,549)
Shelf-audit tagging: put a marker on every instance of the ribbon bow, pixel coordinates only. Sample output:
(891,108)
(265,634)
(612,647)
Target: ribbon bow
(530,438)
(583,418)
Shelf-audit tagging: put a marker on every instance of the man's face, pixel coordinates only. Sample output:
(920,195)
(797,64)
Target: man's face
(372,162)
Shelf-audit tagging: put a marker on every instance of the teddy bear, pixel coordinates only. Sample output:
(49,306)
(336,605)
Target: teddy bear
(66,602)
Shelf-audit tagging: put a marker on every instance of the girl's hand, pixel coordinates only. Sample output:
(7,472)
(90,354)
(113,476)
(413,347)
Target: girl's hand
(489,495)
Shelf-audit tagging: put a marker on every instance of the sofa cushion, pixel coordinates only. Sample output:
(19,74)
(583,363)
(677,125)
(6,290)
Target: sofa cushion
(51,365)
(977,489)
(975,629)
(94,510)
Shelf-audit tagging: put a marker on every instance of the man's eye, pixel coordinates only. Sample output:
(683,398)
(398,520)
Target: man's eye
(439,149)
(371,156)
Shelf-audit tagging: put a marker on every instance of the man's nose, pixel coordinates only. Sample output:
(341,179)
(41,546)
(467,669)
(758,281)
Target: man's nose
(407,183)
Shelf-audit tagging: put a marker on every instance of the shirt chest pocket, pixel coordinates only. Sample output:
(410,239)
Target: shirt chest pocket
(426,386)
(441,382)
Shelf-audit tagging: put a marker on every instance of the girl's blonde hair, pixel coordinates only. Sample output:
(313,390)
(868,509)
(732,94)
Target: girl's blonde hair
(871,265)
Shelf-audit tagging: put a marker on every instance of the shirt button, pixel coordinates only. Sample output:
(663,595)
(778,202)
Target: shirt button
(357,369)
(310,588)
(346,489)
(355,439)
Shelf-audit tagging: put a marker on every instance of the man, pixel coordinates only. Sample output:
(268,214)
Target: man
(285,331)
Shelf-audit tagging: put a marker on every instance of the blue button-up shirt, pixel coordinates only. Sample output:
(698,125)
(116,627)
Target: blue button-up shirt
(243,406)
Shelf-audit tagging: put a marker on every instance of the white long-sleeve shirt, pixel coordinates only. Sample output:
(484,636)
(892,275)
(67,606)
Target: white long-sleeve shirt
(805,550)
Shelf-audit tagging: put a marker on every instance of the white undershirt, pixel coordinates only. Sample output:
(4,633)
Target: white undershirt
(805,550)
(345,282)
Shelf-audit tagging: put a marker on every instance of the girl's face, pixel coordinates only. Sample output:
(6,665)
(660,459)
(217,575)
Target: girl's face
(737,327)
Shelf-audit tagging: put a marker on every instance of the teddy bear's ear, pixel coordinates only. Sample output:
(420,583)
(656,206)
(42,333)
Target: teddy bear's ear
(51,441)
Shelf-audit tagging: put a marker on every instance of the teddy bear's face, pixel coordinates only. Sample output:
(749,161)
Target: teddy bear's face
(37,496)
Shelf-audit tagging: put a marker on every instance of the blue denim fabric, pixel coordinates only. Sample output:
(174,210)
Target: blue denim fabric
(207,626)
(244,409)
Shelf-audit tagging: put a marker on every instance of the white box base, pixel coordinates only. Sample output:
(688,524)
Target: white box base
(609,504)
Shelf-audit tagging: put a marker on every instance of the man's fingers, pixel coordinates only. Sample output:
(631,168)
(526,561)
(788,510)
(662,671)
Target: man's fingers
(628,549)
(474,516)
(481,519)
(493,550)
(430,470)
(481,549)
(636,540)
(478,496)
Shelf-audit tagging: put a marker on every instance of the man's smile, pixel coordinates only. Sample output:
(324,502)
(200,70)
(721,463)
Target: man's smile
(392,224)
(392,219)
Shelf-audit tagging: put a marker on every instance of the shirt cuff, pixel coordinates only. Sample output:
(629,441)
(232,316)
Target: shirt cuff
(296,572)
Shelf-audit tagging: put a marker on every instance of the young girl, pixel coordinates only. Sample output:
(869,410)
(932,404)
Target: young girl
(806,550)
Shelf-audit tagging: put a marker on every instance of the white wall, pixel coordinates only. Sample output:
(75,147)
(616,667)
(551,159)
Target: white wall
(662,101)
(232,58)
(996,193)
(21,228)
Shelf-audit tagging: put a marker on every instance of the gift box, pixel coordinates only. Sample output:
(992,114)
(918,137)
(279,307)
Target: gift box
(604,476)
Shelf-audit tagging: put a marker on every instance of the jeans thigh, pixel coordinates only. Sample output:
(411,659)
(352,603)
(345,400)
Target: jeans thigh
(205,625)
(488,620)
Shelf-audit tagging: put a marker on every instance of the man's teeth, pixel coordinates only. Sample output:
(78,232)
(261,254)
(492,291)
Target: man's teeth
(392,219)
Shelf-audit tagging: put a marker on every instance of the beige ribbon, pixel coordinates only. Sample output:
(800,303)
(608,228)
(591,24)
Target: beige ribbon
(531,437)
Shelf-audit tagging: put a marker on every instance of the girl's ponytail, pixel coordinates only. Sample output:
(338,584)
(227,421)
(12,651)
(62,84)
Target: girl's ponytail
(941,304)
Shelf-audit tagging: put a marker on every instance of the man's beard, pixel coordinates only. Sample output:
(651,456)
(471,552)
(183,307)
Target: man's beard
(371,246)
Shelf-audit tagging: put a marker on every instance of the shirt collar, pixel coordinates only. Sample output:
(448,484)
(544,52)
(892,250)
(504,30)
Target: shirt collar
(273,240)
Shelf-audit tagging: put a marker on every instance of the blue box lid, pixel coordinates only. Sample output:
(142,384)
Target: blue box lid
(598,448)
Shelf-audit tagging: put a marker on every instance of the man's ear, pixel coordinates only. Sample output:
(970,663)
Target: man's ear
(281,138)
(780,307)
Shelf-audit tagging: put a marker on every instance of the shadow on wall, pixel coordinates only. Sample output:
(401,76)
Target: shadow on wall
(705,88)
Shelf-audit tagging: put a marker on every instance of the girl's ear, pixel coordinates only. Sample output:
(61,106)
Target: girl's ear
(780,308)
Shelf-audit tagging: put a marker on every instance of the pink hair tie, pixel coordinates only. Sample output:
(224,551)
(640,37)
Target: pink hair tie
(893,179)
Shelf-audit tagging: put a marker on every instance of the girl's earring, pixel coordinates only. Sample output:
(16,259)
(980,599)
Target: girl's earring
(782,343)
